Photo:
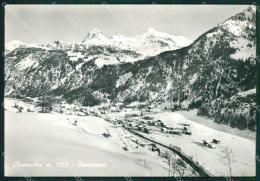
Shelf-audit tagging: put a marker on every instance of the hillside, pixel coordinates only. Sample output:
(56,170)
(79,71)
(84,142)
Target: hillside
(215,74)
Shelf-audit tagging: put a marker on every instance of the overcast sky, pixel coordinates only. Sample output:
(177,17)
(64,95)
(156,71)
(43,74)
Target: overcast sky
(70,23)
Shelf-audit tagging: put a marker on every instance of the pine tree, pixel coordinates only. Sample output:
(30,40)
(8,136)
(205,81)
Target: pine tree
(45,100)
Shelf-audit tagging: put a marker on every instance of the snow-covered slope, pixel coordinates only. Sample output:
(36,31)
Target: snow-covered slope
(215,74)
(13,45)
(204,75)
(149,43)
(114,50)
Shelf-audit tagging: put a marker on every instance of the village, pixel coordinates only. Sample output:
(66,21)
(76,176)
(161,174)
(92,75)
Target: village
(138,126)
(139,121)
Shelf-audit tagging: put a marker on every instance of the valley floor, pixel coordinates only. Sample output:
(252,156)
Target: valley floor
(39,144)
(240,143)
(63,149)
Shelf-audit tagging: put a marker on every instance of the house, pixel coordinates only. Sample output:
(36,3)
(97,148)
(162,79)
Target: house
(27,99)
(169,128)
(140,127)
(80,114)
(186,124)
(163,130)
(125,148)
(151,123)
(75,123)
(148,109)
(129,107)
(205,142)
(82,109)
(177,132)
(162,124)
(119,121)
(159,121)
(187,132)
(146,130)
(148,118)
(128,136)
(107,135)
(216,141)
(208,144)
(29,110)
(134,140)
(128,120)
(156,124)
(135,128)
(211,146)
(114,109)
(141,143)
(103,112)
(152,106)
(155,148)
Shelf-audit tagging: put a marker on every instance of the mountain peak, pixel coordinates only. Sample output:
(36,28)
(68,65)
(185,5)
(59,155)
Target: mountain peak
(94,33)
(96,37)
(251,8)
(13,45)
(249,14)
(15,42)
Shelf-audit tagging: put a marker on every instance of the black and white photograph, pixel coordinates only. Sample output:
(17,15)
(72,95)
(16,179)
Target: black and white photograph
(130,90)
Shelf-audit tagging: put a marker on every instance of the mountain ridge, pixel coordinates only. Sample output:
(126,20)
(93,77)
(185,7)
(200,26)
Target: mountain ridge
(215,74)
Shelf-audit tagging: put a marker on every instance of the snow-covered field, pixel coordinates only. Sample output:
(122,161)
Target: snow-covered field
(243,150)
(62,148)
(49,144)
(241,143)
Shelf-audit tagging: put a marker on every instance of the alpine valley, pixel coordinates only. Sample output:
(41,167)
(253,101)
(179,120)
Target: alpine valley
(215,74)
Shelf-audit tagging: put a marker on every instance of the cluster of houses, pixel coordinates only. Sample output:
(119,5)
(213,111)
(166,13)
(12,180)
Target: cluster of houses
(176,130)
(144,126)
(138,142)
(209,144)
(185,129)
(79,111)
(135,125)
(152,106)
(152,146)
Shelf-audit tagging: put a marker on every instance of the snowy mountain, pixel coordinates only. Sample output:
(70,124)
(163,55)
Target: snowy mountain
(13,45)
(149,43)
(215,74)
(124,49)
